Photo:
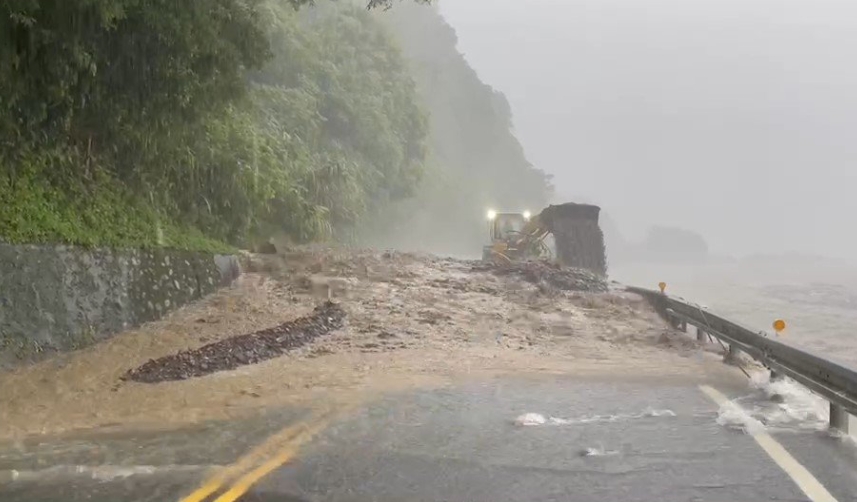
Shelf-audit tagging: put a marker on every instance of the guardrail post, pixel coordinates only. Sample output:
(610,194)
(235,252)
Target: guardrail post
(838,418)
(674,322)
(732,354)
(700,334)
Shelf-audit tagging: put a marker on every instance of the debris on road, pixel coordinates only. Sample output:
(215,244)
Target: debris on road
(553,275)
(241,350)
(412,319)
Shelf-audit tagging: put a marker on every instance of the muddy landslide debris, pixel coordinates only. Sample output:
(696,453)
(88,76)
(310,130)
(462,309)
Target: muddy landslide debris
(241,350)
(553,275)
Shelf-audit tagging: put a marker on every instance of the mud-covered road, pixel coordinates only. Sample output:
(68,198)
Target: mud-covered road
(410,320)
(320,329)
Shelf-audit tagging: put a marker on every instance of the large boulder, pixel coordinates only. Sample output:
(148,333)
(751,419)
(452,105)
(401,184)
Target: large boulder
(675,245)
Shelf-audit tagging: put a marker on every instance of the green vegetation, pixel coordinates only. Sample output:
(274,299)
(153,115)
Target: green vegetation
(206,124)
(97,213)
(338,102)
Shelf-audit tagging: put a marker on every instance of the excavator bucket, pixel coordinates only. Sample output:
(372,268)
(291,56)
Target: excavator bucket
(578,238)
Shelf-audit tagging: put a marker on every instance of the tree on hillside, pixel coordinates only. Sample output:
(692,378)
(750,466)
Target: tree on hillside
(224,115)
(342,95)
(92,68)
(97,69)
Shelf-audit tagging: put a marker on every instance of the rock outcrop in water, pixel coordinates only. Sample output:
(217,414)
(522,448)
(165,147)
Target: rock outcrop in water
(674,245)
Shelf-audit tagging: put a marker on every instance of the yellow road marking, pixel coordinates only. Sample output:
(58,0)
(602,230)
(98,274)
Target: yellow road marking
(204,491)
(248,480)
(224,476)
(799,474)
(285,436)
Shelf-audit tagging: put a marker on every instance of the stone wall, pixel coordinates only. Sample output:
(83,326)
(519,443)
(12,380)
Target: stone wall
(58,298)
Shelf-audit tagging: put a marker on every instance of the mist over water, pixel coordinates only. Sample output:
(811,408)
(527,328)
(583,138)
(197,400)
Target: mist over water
(817,300)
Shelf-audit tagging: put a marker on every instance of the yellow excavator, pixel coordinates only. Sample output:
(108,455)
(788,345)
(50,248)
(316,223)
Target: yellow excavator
(573,228)
(515,237)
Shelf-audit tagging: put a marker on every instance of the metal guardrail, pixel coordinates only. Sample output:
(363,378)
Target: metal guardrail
(834,381)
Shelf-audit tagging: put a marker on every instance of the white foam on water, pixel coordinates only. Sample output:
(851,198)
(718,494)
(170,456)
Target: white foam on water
(651,412)
(598,451)
(799,407)
(539,419)
(530,419)
(731,415)
(781,405)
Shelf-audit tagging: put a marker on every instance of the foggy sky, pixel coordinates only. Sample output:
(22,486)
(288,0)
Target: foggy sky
(737,119)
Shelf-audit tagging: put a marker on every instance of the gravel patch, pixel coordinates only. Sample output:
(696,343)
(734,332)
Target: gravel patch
(241,350)
(551,274)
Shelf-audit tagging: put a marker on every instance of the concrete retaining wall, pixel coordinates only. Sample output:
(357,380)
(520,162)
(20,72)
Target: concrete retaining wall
(58,298)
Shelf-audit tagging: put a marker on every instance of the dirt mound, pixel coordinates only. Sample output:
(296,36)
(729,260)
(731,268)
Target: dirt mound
(554,275)
(241,350)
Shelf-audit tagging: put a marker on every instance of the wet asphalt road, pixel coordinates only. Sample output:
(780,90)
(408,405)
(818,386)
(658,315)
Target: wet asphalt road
(614,441)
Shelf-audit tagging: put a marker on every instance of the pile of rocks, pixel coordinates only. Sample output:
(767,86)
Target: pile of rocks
(241,350)
(555,276)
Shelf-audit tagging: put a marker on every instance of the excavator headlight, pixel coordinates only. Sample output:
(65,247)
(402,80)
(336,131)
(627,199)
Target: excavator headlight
(491,214)
(527,215)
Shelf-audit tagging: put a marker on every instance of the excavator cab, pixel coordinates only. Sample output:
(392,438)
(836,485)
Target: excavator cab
(507,226)
(511,237)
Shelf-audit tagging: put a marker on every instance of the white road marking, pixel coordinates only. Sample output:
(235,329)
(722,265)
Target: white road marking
(799,474)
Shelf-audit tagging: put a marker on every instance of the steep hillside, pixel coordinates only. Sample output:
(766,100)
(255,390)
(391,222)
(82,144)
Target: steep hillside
(475,161)
(174,124)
